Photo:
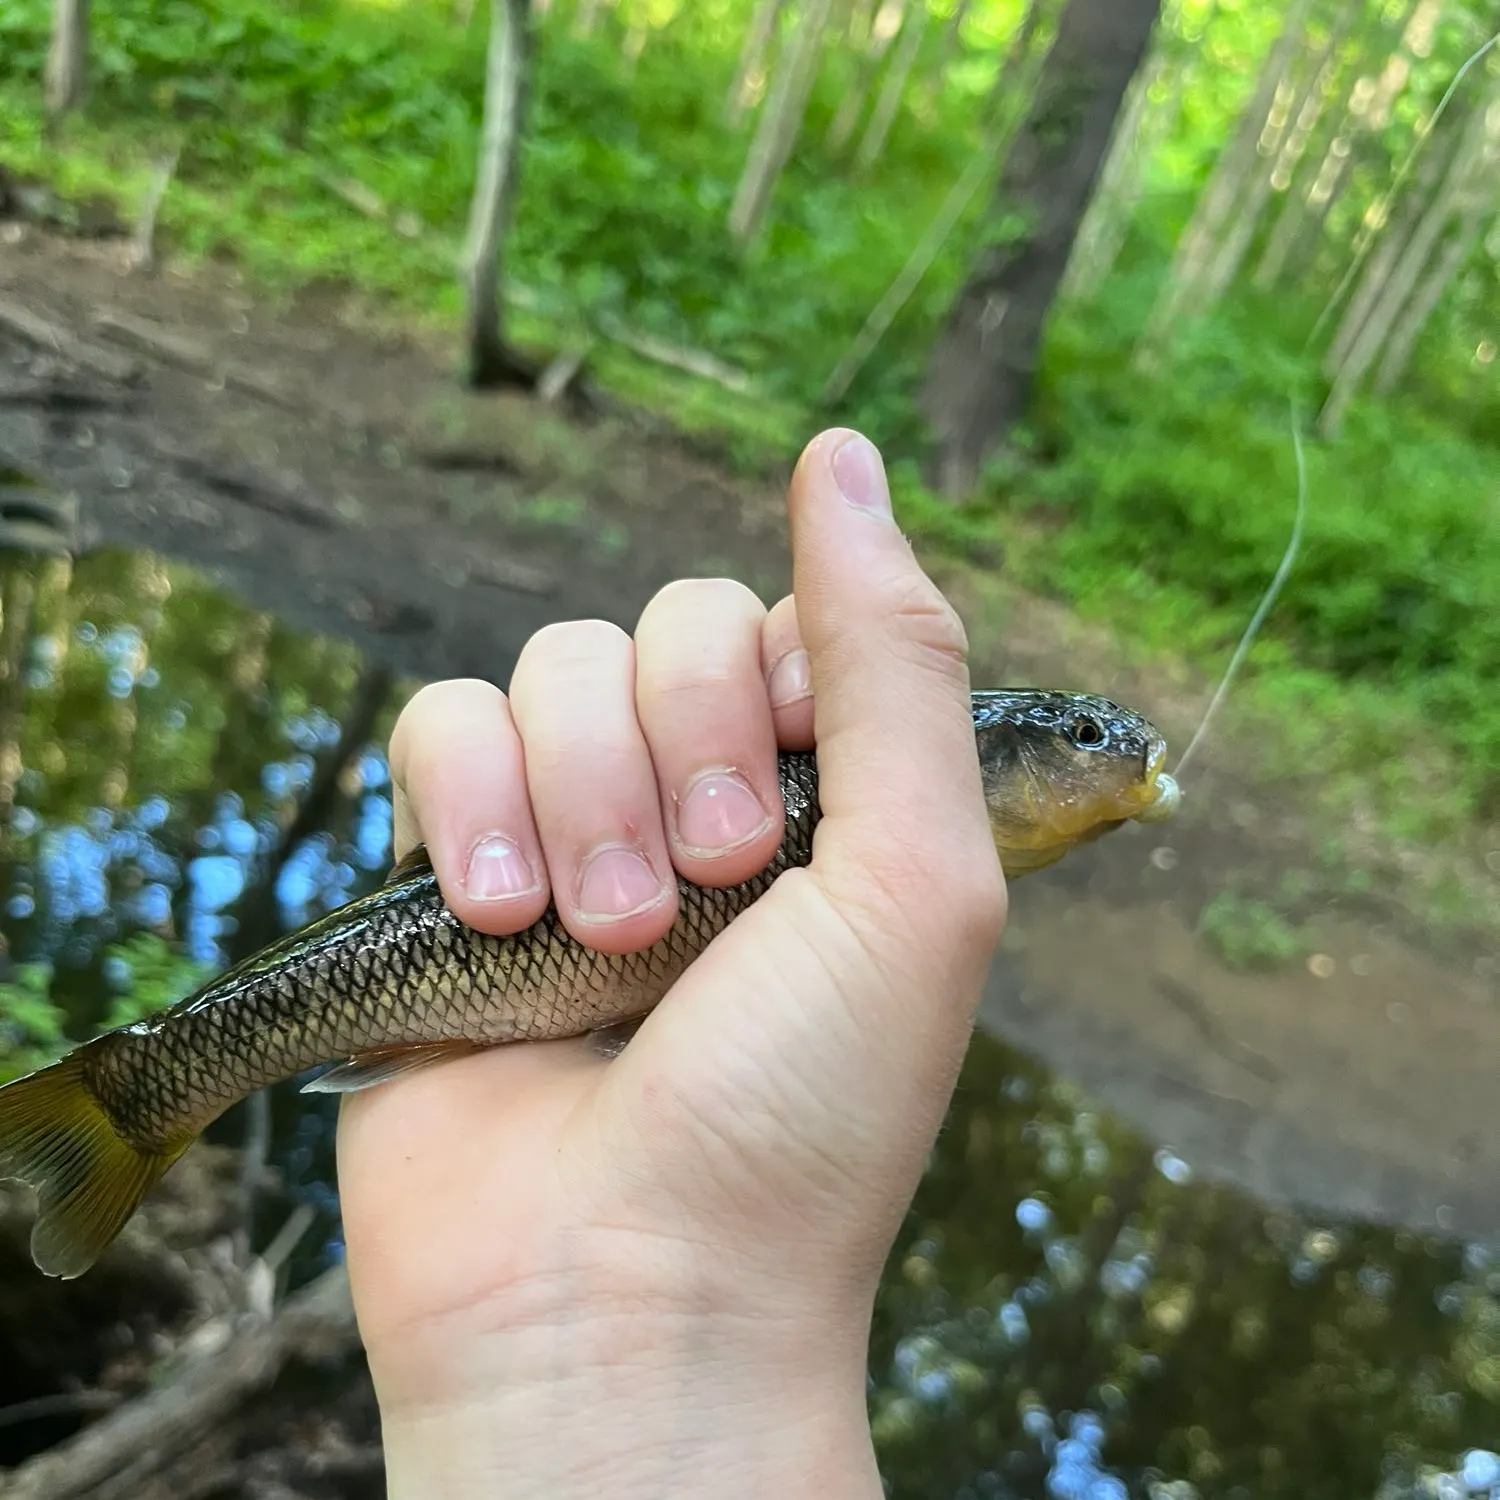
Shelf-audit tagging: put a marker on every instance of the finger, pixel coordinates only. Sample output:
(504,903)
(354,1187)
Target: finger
(788,676)
(460,788)
(593,788)
(905,848)
(702,704)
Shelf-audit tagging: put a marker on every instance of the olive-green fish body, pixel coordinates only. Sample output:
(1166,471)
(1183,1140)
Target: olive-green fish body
(394,980)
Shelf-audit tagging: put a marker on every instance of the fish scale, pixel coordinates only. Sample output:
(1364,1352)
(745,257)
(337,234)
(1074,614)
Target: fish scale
(398,969)
(394,980)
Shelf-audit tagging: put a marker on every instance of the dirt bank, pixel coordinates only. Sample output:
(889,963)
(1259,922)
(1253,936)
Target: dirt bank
(335,474)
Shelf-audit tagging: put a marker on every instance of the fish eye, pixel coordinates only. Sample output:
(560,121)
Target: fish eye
(1087,732)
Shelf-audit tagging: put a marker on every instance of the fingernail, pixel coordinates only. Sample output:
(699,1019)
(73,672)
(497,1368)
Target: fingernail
(718,813)
(860,475)
(791,679)
(615,883)
(498,870)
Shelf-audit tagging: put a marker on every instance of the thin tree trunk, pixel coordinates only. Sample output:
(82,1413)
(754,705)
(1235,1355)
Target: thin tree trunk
(1402,343)
(491,360)
(67,72)
(903,60)
(586,17)
(780,124)
(1437,157)
(1366,109)
(885,24)
(1286,169)
(1470,156)
(1013,71)
(983,368)
(952,40)
(748,80)
(1220,198)
(1285,147)
(1107,220)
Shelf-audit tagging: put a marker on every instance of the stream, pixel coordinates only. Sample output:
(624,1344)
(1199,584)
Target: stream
(1070,1311)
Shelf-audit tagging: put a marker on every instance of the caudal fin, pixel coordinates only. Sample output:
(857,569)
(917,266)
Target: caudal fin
(57,1137)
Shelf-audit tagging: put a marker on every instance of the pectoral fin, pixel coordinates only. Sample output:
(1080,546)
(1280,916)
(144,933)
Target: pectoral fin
(366,1070)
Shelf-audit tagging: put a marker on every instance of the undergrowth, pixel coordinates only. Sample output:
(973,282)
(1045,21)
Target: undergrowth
(1158,505)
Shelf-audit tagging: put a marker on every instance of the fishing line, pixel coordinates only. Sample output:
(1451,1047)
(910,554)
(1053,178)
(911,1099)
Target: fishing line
(1289,557)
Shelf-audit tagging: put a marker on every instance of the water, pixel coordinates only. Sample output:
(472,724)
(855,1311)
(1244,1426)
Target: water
(1068,1312)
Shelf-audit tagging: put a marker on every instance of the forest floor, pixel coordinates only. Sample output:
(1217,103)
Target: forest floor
(327,466)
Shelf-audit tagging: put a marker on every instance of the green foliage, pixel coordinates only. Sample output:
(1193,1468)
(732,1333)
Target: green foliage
(31,1026)
(1166,507)
(1249,933)
(1159,504)
(159,977)
(34,1028)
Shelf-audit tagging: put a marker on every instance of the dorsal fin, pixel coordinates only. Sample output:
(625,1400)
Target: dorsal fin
(416,861)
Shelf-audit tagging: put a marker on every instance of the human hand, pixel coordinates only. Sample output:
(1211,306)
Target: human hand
(654,1275)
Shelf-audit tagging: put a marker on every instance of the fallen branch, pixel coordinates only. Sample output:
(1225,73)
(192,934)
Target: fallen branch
(187,354)
(697,362)
(368,202)
(146,1434)
(693,361)
(65,1403)
(46,334)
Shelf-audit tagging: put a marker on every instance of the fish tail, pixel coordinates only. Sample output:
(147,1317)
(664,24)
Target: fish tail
(89,1180)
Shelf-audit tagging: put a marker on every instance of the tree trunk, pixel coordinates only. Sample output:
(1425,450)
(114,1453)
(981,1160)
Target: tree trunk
(1285,145)
(1013,70)
(1402,343)
(1219,199)
(1471,156)
(67,58)
(885,24)
(780,123)
(1438,156)
(586,17)
(1107,220)
(748,79)
(982,370)
(952,39)
(872,143)
(491,360)
(1366,109)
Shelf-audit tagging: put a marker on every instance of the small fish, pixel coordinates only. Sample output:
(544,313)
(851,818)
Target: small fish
(394,981)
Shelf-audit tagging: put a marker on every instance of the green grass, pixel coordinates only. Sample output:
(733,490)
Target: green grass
(1156,506)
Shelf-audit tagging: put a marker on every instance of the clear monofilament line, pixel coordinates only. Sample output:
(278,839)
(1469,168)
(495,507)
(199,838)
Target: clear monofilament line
(1247,640)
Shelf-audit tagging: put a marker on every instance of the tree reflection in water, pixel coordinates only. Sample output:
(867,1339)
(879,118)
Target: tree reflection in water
(1066,1313)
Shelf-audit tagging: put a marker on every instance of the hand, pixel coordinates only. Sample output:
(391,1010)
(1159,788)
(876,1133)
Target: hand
(653,1276)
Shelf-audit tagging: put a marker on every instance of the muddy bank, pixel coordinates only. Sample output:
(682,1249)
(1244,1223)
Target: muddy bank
(337,478)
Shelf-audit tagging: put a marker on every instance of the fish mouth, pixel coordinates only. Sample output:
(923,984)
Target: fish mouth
(1163,796)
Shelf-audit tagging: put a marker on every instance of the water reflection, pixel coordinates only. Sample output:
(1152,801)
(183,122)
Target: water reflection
(1067,1313)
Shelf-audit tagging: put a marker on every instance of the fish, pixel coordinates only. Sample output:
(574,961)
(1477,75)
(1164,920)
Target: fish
(393,981)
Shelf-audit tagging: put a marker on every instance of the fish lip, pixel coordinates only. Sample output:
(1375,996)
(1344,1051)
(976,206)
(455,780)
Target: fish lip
(1165,803)
(1164,794)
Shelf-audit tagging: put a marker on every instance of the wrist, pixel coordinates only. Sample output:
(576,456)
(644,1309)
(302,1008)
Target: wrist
(639,1405)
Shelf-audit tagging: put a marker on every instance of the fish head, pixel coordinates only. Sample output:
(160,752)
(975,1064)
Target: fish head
(1061,769)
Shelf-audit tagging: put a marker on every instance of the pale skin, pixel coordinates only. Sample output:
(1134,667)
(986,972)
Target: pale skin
(653,1276)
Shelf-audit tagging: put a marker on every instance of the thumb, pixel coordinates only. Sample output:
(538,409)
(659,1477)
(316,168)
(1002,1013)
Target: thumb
(904,850)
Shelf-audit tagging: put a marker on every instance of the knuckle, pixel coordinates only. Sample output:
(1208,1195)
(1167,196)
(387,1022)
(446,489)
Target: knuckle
(419,724)
(928,624)
(568,648)
(693,593)
(981,900)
